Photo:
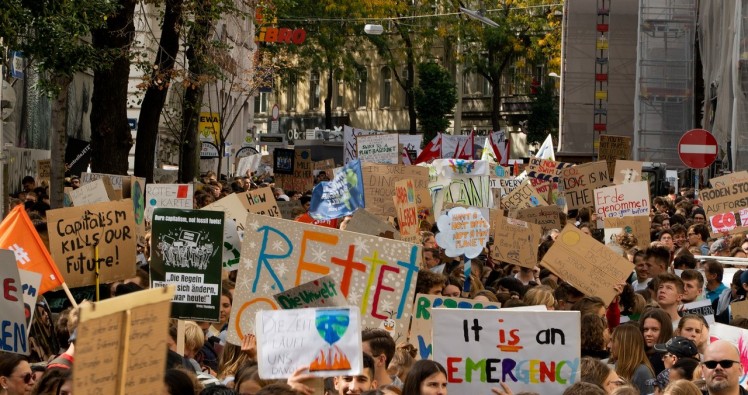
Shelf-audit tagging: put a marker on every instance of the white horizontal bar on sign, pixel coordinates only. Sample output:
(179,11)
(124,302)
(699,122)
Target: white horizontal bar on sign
(724,259)
(698,149)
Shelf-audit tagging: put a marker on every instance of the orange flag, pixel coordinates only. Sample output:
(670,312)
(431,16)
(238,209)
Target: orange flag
(18,234)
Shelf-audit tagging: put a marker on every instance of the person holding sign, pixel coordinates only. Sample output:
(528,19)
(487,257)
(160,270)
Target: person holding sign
(16,377)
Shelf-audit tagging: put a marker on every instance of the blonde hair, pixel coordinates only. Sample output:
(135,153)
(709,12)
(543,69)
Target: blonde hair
(541,295)
(682,387)
(629,351)
(194,337)
(232,357)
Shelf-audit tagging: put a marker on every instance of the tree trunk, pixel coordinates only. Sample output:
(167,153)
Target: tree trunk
(155,96)
(328,99)
(111,138)
(189,165)
(59,143)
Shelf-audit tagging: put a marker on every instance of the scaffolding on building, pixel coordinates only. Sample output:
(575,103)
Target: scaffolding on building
(664,106)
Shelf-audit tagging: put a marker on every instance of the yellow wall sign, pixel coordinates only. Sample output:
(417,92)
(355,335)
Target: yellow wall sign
(209,127)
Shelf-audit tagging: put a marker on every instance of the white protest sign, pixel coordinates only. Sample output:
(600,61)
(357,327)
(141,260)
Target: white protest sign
(462,232)
(91,193)
(167,196)
(624,200)
(328,340)
(529,351)
(14,333)
(378,148)
(30,282)
(248,164)
(701,307)
(350,135)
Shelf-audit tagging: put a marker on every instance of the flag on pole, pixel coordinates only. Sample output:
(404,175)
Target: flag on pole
(546,150)
(468,148)
(432,150)
(18,234)
(496,148)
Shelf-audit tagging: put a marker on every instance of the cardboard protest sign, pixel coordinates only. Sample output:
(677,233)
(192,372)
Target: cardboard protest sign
(588,265)
(515,241)
(613,148)
(524,196)
(120,344)
(729,179)
(186,252)
(379,187)
(30,282)
(74,232)
(290,209)
(736,336)
(377,274)
(14,334)
(421,326)
(378,148)
(701,307)
(626,200)
(167,196)
(113,182)
(322,292)
(627,171)
(43,170)
(545,169)
(301,178)
(739,309)
(581,180)
(637,226)
(367,223)
(725,207)
(547,217)
(328,340)
(529,351)
(407,211)
(462,232)
(91,193)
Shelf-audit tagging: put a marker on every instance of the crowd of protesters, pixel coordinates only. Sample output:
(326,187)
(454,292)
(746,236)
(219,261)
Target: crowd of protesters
(641,343)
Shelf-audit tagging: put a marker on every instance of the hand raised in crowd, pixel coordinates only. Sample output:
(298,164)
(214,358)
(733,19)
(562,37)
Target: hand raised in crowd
(249,345)
(504,390)
(296,381)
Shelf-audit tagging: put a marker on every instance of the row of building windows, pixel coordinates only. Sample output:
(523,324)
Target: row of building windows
(515,82)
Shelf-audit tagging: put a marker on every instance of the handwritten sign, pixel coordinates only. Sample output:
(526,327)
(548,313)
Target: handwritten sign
(581,180)
(545,169)
(350,137)
(547,217)
(328,340)
(379,187)
(322,292)
(302,179)
(637,226)
(421,327)
(378,148)
(524,196)
(91,193)
(701,307)
(729,179)
(515,241)
(588,265)
(376,274)
(624,200)
(74,231)
(120,344)
(43,170)
(725,207)
(407,211)
(115,183)
(613,148)
(30,283)
(627,171)
(462,232)
(14,333)
(739,309)
(529,351)
(167,196)
(186,253)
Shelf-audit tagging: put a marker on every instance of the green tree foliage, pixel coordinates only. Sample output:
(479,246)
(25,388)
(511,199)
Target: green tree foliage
(435,97)
(543,114)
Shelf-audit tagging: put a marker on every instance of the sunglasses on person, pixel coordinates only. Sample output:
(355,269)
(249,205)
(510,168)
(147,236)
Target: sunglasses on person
(27,378)
(725,363)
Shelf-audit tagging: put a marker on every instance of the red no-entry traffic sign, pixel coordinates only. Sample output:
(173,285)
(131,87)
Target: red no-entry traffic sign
(697,149)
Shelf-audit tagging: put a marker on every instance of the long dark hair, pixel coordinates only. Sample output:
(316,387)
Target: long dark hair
(9,362)
(419,372)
